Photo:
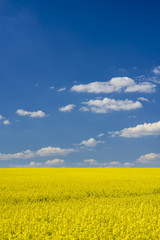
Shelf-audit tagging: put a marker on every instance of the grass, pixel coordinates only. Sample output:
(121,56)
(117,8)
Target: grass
(80,204)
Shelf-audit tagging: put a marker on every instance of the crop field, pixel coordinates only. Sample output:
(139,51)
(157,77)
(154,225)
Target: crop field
(79,204)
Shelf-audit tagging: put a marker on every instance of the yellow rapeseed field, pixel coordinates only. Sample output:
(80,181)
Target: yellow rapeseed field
(80,204)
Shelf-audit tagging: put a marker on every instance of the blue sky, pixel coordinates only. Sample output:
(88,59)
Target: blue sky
(79,83)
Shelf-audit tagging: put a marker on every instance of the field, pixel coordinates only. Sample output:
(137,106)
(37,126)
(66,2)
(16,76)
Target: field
(79,204)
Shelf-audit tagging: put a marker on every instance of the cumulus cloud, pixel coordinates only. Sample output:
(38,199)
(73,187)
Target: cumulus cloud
(54,162)
(146,129)
(94,162)
(67,108)
(48,163)
(100,135)
(152,158)
(114,164)
(128,164)
(20,155)
(38,113)
(143,99)
(90,142)
(84,109)
(48,151)
(121,165)
(117,84)
(156,70)
(32,164)
(61,89)
(145,87)
(91,161)
(107,104)
(6,122)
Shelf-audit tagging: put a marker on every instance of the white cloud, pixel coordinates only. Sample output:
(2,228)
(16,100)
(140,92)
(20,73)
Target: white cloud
(20,155)
(100,135)
(140,77)
(90,142)
(153,79)
(114,163)
(54,162)
(94,162)
(143,99)
(146,129)
(84,109)
(122,165)
(91,161)
(61,89)
(1,117)
(67,108)
(48,163)
(48,151)
(107,104)
(152,158)
(6,122)
(128,164)
(145,87)
(22,112)
(156,70)
(117,84)
(33,164)
(51,87)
